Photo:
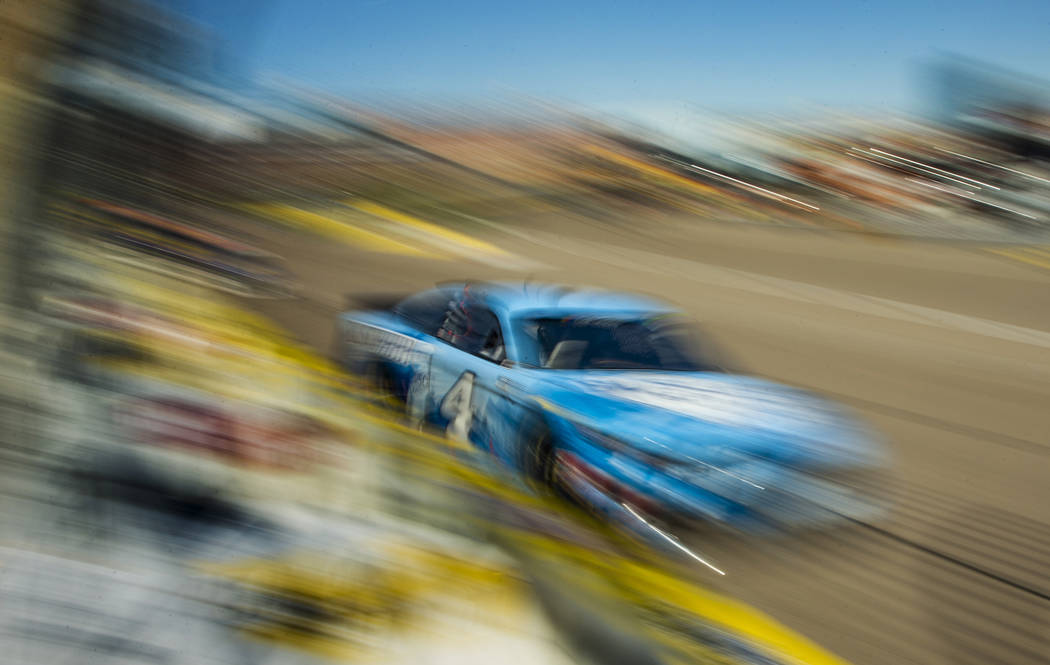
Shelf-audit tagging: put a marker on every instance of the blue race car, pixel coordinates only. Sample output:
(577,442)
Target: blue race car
(610,398)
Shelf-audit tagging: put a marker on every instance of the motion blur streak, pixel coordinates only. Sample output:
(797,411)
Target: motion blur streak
(754,187)
(239,423)
(673,541)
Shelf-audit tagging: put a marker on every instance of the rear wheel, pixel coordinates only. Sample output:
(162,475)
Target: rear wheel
(539,461)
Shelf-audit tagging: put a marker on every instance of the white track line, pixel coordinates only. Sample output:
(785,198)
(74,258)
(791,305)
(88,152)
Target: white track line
(779,287)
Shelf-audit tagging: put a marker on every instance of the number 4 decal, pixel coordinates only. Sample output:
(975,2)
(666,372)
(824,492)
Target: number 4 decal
(458,409)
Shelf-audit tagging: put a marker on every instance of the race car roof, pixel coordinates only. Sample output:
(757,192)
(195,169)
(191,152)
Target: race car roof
(516,297)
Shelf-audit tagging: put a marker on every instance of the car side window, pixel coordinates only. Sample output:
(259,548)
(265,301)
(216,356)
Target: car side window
(474,329)
(493,348)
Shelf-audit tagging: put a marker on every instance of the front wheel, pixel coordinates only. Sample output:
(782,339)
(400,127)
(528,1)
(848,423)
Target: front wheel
(382,384)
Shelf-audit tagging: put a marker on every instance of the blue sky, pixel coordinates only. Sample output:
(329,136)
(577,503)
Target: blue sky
(731,55)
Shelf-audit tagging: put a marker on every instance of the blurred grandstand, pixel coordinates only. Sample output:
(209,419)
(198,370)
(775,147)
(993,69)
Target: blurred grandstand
(141,113)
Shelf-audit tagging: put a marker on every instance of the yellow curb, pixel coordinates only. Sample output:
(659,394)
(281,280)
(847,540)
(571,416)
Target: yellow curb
(448,235)
(334,228)
(1031,255)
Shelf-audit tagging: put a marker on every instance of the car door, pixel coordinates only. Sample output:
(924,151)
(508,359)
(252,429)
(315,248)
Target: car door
(465,372)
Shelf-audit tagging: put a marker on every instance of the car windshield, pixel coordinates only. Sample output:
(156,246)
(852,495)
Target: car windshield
(599,342)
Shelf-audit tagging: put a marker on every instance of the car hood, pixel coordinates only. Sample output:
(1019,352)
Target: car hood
(711,417)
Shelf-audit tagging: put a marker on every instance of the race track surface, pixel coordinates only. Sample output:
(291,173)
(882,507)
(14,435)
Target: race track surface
(945,349)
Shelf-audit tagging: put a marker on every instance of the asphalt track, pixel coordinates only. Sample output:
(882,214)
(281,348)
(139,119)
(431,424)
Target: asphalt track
(945,349)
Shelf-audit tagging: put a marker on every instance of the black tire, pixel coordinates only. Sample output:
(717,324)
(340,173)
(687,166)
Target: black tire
(384,386)
(538,463)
